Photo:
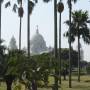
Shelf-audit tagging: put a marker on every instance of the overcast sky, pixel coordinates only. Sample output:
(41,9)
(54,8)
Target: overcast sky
(43,17)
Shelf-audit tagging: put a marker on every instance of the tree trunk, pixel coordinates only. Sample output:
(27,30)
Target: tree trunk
(64,77)
(20,34)
(70,9)
(9,84)
(78,56)
(9,79)
(28,31)
(60,47)
(20,29)
(64,74)
(55,43)
(34,85)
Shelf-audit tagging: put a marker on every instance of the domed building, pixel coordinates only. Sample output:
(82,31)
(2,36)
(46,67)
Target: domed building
(38,44)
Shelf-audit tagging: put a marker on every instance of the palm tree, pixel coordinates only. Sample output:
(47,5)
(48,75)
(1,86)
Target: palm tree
(30,9)
(20,14)
(79,28)
(55,42)
(70,10)
(60,9)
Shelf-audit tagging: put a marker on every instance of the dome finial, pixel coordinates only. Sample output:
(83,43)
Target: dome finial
(37,31)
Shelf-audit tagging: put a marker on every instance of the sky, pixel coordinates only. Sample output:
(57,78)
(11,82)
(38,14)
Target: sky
(42,16)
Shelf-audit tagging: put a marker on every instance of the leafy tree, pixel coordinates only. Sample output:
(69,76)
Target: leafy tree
(65,56)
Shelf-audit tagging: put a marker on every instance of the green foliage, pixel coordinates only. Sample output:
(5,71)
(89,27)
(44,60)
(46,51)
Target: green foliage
(2,57)
(88,69)
(17,87)
(15,60)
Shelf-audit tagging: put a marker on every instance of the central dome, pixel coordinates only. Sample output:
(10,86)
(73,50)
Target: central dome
(38,44)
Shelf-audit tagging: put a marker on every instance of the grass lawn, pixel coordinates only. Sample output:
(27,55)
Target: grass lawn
(83,85)
(2,86)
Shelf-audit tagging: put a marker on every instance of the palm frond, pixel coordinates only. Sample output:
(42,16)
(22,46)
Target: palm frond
(68,2)
(88,21)
(85,32)
(66,34)
(67,22)
(19,1)
(74,1)
(79,25)
(1,1)
(31,6)
(15,7)
(36,1)
(46,1)
(7,4)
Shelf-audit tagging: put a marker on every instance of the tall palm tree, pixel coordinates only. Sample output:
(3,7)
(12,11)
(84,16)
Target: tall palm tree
(80,29)
(20,14)
(55,42)
(55,37)
(30,9)
(70,10)
(60,9)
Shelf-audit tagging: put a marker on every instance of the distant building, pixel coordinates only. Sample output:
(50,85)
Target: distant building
(38,44)
(12,44)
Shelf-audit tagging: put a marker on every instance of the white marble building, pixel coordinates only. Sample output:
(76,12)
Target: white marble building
(38,44)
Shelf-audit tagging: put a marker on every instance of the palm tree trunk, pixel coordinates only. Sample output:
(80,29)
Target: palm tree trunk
(28,31)
(9,85)
(0,20)
(55,43)
(20,29)
(70,9)
(34,85)
(78,56)
(60,47)
(20,33)
(9,80)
